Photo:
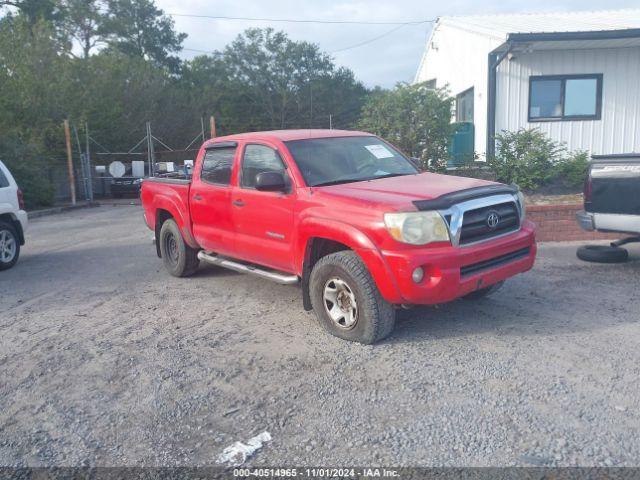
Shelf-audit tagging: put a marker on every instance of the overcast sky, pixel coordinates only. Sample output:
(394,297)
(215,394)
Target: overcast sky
(384,62)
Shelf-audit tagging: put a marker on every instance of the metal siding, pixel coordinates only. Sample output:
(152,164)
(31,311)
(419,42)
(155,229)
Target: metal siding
(615,132)
(458,60)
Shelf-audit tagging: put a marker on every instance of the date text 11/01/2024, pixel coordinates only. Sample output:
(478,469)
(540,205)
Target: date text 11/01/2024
(317,472)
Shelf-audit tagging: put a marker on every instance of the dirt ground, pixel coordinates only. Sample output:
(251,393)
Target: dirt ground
(105,360)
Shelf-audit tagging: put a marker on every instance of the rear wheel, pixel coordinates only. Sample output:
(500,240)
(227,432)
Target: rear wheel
(9,246)
(602,254)
(346,300)
(179,259)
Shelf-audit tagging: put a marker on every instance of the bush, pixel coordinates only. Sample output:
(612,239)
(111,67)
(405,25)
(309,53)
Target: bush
(526,158)
(27,168)
(572,170)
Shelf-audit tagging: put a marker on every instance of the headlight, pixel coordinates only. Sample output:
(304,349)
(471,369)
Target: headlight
(523,209)
(417,228)
(137,180)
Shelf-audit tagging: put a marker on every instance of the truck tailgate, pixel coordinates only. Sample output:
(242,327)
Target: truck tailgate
(614,185)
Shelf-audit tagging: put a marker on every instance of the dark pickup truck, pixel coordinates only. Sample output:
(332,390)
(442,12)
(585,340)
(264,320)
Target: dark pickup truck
(611,204)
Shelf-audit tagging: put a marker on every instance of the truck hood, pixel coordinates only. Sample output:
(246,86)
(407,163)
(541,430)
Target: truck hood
(399,192)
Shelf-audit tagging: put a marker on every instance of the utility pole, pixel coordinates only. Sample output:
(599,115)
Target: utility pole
(83,169)
(212,125)
(202,127)
(150,155)
(310,106)
(88,160)
(330,122)
(72,177)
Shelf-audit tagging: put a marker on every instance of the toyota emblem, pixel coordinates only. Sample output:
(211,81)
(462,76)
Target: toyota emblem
(493,219)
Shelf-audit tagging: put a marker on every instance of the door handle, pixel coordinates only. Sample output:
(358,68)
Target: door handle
(238,203)
(197,197)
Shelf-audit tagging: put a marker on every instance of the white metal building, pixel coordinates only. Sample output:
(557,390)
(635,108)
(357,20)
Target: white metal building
(574,75)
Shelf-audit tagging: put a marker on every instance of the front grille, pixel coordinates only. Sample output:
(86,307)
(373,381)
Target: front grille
(494,262)
(480,224)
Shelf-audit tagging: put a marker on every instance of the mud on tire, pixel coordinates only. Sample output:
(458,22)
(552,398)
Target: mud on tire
(345,273)
(179,259)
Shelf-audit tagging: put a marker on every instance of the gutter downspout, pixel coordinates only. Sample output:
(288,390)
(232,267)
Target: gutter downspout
(494,60)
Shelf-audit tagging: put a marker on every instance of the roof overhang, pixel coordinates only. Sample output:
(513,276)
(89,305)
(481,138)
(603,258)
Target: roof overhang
(571,40)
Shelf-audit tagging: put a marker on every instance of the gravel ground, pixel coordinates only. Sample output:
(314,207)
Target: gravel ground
(106,360)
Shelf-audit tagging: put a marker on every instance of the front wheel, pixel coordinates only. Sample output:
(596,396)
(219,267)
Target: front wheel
(179,259)
(346,300)
(9,246)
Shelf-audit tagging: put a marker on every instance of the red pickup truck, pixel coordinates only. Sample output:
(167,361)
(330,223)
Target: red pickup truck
(348,217)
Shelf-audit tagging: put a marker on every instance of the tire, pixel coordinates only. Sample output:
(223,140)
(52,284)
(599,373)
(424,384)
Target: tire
(483,292)
(344,273)
(179,259)
(602,254)
(9,246)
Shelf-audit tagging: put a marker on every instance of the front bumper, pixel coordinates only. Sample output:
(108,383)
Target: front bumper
(452,272)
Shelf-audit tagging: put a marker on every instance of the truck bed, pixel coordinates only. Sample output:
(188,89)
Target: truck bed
(165,194)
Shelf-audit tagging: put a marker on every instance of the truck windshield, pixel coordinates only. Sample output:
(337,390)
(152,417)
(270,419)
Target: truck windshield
(330,161)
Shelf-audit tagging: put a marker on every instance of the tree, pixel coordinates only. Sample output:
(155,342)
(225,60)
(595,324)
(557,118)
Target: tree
(287,84)
(33,80)
(35,10)
(415,118)
(83,21)
(138,28)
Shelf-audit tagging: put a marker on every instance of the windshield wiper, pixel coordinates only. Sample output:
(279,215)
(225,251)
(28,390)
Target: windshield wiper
(365,179)
(388,175)
(338,182)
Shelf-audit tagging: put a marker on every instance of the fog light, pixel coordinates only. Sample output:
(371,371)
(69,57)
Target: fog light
(417,275)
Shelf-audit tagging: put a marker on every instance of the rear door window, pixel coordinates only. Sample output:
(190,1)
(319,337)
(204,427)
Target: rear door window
(217,165)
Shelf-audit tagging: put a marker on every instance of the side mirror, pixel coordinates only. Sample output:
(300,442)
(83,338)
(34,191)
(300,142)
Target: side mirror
(270,182)
(416,162)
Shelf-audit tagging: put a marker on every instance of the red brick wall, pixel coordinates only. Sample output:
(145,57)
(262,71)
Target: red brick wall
(557,223)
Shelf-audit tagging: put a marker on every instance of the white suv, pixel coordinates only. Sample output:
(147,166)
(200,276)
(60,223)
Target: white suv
(13,219)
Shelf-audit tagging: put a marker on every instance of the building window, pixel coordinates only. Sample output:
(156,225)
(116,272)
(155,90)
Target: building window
(565,97)
(430,84)
(464,106)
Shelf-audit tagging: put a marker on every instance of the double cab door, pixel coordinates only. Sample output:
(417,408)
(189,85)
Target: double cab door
(263,220)
(231,217)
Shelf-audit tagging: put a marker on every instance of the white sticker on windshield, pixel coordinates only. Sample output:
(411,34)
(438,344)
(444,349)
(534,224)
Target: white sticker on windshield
(380,151)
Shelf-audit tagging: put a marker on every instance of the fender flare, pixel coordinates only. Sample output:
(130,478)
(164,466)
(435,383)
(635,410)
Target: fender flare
(353,238)
(168,204)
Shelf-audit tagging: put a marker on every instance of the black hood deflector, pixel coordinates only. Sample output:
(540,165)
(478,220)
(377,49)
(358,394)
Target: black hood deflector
(449,199)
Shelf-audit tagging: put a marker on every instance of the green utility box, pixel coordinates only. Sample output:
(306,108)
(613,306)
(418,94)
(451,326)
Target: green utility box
(461,145)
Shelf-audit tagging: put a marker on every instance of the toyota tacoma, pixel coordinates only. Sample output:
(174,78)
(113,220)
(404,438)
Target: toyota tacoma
(348,217)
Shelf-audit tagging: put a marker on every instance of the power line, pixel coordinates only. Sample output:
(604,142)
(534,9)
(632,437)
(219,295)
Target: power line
(297,20)
(389,32)
(366,42)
